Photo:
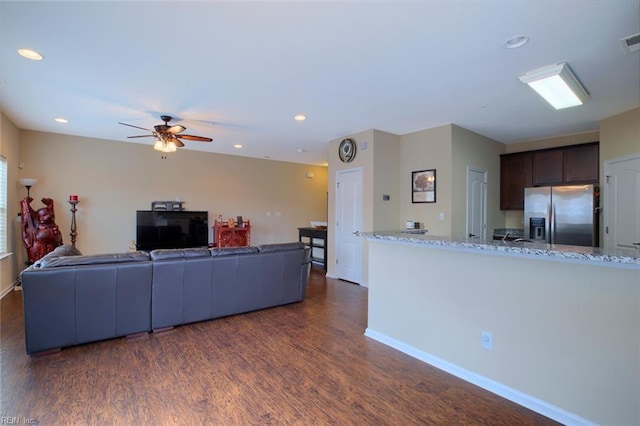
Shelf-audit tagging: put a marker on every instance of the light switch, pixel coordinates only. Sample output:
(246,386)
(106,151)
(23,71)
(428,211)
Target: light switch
(441,216)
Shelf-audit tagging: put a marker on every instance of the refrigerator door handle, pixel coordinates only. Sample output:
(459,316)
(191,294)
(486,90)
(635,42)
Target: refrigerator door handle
(548,221)
(552,224)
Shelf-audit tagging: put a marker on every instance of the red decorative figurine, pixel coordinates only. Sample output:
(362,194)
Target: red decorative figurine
(39,230)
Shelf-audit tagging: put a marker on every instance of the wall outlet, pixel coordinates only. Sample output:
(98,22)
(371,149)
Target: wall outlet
(486,340)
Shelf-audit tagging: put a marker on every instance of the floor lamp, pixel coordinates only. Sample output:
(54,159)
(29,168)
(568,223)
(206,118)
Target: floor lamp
(28,183)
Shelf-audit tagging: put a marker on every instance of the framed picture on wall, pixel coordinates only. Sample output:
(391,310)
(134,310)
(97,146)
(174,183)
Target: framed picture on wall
(423,186)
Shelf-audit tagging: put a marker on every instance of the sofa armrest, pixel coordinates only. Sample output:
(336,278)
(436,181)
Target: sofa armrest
(80,303)
(63,250)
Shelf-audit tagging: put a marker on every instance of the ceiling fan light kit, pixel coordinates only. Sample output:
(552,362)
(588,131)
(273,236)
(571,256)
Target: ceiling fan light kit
(168,138)
(165,146)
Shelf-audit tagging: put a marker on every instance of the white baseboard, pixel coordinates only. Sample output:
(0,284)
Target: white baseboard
(363,284)
(520,398)
(8,289)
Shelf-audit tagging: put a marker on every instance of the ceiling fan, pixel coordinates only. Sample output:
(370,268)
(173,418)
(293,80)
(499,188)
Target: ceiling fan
(168,138)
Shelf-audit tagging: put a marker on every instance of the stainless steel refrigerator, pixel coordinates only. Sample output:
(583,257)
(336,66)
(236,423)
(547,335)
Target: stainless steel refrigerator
(562,215)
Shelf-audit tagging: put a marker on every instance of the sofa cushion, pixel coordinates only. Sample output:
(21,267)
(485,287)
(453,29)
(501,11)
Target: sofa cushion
(63,250)
(228,251)
(66,250)
(161,254)
(266,248)
(96,259)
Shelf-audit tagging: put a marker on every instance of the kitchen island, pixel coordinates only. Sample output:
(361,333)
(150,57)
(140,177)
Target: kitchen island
(553,328)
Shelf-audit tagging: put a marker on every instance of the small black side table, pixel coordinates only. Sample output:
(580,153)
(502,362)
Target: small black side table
(317,239)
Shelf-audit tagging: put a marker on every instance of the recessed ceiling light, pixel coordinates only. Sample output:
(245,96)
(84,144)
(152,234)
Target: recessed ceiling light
(61,120)
(299,117)
(237,146)
(30,54)
(515,42)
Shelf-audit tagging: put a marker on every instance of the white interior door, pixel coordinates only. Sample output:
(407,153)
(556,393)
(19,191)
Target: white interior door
(348,249)
(476,203)
(621,207)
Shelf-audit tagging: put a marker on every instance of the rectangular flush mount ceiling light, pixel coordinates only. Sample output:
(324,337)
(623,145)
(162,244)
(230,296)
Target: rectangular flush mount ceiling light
(557,85)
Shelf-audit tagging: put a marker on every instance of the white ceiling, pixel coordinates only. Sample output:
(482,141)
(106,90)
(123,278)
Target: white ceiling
(239,71)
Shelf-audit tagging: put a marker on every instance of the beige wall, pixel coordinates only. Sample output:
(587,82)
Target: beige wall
(571,339)
(387,181)
(619,136)
(424,150)
(114,179)
(9,136)
(471,150)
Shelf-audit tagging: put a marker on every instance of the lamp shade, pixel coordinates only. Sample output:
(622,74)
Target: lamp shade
(557,85)
(28,181)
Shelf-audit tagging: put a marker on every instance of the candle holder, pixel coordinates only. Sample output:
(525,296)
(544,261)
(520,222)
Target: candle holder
(74,232)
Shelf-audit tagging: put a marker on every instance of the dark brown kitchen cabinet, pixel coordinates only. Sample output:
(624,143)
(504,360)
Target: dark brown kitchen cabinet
(548,167)
(582,163)
(568,165)
(515,176)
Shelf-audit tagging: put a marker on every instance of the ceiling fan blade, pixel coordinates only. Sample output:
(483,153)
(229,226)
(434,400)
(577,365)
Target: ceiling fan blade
(176,129)
(141,136)
(194,138)
(178,143)
(137,127)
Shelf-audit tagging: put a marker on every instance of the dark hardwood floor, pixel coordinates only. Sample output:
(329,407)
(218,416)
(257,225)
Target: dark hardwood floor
(305,363)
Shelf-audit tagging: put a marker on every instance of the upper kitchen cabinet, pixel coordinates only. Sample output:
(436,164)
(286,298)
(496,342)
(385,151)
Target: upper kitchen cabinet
(582,163)
(547,167)
(574,164)
(515,176)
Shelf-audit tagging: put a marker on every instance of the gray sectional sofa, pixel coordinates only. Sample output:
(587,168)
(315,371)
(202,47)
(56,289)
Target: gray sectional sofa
(70,299)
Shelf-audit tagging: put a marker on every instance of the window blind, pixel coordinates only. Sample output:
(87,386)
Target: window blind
(3,206)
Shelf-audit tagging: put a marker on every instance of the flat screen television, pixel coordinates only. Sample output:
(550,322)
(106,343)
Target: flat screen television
(171,229)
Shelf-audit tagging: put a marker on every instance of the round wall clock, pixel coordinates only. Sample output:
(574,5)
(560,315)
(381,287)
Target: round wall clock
(347,150)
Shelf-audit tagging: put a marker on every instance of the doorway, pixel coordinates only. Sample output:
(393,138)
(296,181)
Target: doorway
(348,244)
(476,203)
(621,206)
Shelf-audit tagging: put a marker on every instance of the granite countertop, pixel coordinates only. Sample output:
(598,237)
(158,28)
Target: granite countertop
(622,258)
